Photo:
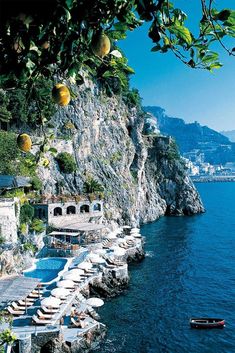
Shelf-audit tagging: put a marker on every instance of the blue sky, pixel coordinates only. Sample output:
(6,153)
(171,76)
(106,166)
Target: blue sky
(162,80)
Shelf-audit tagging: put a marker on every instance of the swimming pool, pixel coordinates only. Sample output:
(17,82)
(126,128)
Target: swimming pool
(46,269)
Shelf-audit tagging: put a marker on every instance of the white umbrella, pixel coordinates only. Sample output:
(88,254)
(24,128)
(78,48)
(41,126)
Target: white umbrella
(119,231)
(71,277)
(129,237)
(96,302)
(120,240)
(137,235)
(133,230)
(65,284)
(51,302)
(85,265)
(111,236)
(76,271)
(93,257)
(60,292)
(100,251)
(118,251)
(98,260)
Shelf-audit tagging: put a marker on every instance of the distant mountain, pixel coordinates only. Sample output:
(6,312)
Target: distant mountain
(217,148)
(229,134)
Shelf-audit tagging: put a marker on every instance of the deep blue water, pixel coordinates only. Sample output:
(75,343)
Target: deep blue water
(52,266)
(189,271)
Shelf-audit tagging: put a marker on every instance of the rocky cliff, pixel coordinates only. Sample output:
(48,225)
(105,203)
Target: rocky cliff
(216,147)
(141,178)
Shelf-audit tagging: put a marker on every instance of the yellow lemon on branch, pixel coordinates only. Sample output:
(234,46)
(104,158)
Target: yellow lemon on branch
(61,94)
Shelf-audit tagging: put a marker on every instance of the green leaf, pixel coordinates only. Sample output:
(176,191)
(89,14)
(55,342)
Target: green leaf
(181,32)
(53,150)
(216,65)
(223,15)
(119,26)
(210,57)
(156,48)
(108,74)
(69,3)
(129,69)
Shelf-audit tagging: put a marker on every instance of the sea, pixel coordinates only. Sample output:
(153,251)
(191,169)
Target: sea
(189,271)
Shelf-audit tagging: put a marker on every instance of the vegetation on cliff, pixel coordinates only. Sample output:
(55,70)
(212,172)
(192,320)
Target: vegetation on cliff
(74,39)
(73,34)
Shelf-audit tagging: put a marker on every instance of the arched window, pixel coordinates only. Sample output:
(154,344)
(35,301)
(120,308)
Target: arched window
(71,210)
(97,207)
(58,211)
(84,208)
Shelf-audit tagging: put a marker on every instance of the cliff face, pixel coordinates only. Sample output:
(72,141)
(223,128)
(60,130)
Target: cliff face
(141,179)
(216,147)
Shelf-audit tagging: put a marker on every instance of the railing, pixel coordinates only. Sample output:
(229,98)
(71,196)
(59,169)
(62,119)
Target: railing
(61,199)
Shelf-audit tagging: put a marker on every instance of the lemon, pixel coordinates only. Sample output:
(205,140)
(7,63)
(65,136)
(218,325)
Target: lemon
(61,94)
(24,142)
(100,45)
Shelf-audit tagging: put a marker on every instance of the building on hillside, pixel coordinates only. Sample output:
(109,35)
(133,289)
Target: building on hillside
(195,156)
(81,211)
(10,182)
(9,219)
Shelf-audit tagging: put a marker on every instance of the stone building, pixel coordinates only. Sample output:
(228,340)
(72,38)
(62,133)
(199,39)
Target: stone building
(82,210)
(9,219)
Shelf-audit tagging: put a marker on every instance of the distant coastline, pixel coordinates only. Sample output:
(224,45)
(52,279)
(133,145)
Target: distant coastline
(213,178)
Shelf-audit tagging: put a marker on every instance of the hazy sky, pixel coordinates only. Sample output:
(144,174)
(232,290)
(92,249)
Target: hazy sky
(164,81)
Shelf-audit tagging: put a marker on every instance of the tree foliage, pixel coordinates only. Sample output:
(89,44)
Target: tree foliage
(13,162)
(26,213)
(66,162)
(92,186)
(39,38)
(36,183)
(37,225)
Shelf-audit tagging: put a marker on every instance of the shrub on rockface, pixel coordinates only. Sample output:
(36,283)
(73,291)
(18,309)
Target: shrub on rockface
(36,183)
(66,162)
(26,213)
(37,225)
(92,186)
(13,162)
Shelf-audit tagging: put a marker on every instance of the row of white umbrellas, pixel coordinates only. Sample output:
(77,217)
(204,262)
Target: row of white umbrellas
(53,302)
(69,277)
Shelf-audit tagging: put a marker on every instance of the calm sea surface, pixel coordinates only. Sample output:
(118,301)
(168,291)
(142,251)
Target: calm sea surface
(189,271)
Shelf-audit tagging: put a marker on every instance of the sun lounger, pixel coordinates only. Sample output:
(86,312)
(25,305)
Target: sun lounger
(36,320)
(15,312)
(16,306)
(34,295)
(90,271)
(49,310)
(26,302)
(43,316)
(37,291)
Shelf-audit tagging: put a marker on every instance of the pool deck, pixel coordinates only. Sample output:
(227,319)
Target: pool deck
(23,324)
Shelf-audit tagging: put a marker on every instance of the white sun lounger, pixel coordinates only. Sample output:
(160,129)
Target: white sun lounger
(49,310)
(15,312)
(43,316)
(26,302)
(36,320)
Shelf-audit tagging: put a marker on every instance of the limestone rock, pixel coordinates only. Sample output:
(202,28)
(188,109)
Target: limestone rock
(140,179)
